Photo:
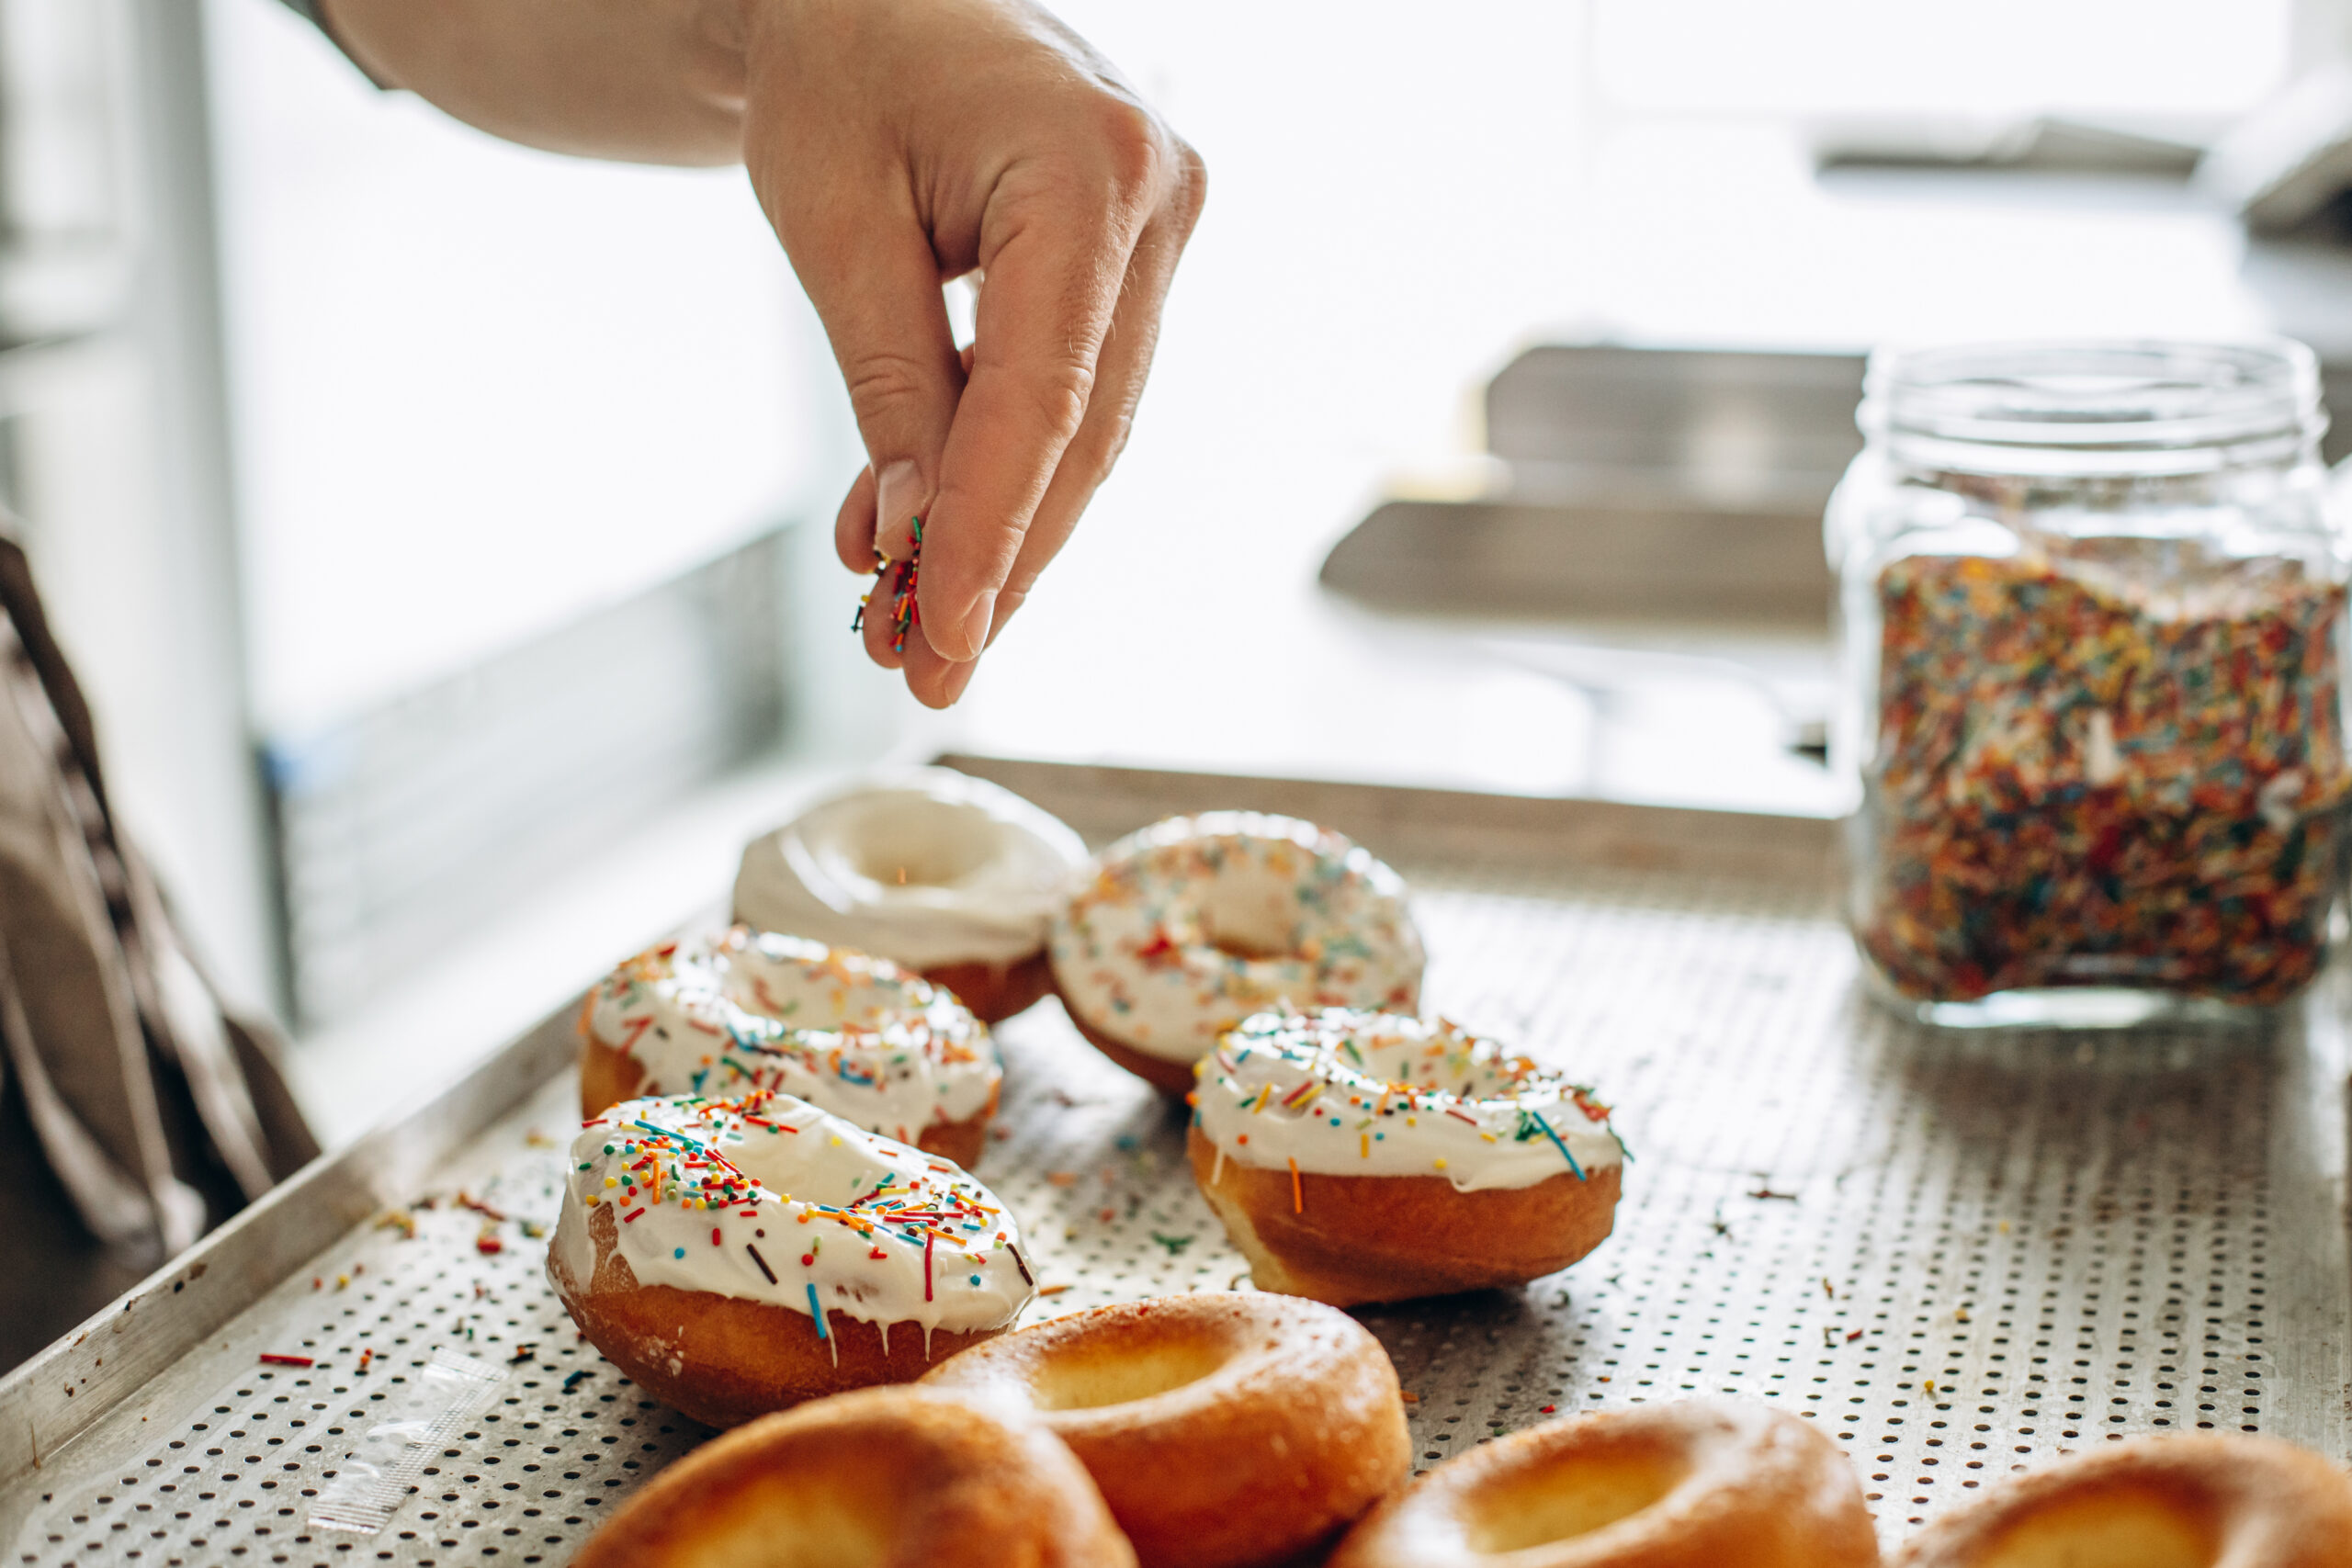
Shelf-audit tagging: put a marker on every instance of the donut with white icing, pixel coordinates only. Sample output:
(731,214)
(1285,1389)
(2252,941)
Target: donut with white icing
(1363,1157)
(756,1011)
(950,876)
(741,1256)
(1194,923)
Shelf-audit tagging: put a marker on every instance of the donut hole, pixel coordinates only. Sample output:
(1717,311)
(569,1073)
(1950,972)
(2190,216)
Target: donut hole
(928,843)
(1250,914)
(785,1521)
(2122,1527)
(1574,1497)
(1084,1377)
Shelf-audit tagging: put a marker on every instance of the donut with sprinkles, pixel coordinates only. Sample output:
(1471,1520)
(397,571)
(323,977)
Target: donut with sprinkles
(1366,1157)
(745,1010)
(741,1256)
(1194,923)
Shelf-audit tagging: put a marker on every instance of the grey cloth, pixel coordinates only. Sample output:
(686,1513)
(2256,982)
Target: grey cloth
(135,1113)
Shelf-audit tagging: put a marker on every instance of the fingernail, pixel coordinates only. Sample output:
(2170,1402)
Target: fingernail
(897,496)
(958,677)
(977,620)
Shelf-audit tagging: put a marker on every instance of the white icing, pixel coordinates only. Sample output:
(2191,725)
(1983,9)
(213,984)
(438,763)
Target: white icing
(807,1194)
(1351,1093)
(856,1035)
(927,866)
(1136,952)
(572,1242)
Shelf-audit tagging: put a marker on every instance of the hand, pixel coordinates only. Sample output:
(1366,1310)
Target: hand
(896,144)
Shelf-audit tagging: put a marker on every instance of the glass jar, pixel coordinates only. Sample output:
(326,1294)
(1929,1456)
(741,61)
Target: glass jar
(2091,706)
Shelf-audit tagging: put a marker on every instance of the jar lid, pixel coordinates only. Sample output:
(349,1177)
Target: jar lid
(2094,408)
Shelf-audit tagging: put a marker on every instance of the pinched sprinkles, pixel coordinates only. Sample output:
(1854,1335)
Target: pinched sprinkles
(905,614)
(2120,764)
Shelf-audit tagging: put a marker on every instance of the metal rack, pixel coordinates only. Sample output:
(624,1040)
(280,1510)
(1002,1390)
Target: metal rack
(1960,1256)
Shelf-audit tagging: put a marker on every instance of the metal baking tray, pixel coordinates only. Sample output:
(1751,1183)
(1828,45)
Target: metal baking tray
(1629,558)
(1960,1256)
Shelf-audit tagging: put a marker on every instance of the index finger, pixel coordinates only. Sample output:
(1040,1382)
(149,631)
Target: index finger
(1043,314)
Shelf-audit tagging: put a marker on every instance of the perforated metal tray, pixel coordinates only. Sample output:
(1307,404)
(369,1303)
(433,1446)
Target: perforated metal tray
(1960,1256)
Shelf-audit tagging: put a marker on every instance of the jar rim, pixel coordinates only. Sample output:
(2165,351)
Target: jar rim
(2094,405)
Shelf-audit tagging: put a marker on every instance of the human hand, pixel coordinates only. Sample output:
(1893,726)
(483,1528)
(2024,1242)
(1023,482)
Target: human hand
(896,144)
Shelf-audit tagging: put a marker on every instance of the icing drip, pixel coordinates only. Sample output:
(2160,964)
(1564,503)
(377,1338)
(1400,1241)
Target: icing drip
(856,1035)
(927,866)
(1194,923)
(767,1198)
(1351,1093)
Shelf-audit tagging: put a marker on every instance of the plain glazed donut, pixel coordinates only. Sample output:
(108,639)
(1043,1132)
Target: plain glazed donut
(746,1010)
(1362,1156)
(1697,1483)
(952,876)
(884,1478)
(738,1257)
(2195,1500)
(1194,923)
(1224,1429)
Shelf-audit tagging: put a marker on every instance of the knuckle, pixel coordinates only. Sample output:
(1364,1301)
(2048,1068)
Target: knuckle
(1058,393)
(1192,185)
(885,386)
(1095,450)
(1132,145)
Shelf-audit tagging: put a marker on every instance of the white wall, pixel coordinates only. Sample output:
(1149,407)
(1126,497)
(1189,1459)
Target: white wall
(475,389)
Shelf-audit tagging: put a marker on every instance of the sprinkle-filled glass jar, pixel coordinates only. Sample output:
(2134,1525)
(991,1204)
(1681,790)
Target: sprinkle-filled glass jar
(2092,709)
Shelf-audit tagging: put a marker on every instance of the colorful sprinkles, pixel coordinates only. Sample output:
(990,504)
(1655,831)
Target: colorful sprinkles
(1150,955)
(744,1010)
(2112,762)
(685,1158)
(905,614)
(1340,1091)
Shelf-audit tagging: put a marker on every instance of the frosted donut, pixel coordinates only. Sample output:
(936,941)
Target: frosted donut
(1224,1429)
(950,876)
(1697,1483)
(740,1256)
(1194,923)
(887,1477)
(742,1011)
(1362,1157)
(2195,1500)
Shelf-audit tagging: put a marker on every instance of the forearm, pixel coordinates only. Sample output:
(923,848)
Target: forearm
(646,81)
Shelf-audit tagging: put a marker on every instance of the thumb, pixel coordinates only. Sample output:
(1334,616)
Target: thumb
(888,324)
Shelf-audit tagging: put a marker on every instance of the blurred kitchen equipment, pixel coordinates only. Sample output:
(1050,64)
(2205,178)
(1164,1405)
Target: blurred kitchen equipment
(2289,161)
(1646,515)
(2057,143)
(1629,483)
